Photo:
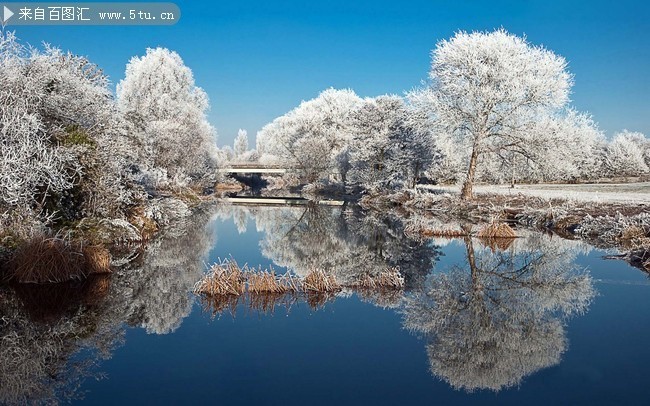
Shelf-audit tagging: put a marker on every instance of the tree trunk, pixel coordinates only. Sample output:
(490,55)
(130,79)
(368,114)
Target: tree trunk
(471,259)
(466,191)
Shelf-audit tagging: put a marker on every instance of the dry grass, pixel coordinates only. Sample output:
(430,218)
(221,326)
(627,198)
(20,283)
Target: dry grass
(228,186)
(497,230)
(225,278)
(98,259)
(391,278)
(320,281)
(634,237)
(445,233)
(54,260)
(228,285)
(632,233)
(268,282)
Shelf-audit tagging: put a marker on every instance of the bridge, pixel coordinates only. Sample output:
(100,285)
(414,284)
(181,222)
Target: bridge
(278,201)
(253,168)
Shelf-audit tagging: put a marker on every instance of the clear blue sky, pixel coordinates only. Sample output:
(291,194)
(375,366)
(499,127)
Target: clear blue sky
(258,59)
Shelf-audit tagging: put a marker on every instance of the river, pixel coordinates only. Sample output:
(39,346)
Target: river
(534,320)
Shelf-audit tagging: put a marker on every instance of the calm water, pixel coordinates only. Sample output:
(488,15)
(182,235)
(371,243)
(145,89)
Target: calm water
(541,320)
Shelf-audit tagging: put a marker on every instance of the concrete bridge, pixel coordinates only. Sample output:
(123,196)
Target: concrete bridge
(254,168)
(278,201)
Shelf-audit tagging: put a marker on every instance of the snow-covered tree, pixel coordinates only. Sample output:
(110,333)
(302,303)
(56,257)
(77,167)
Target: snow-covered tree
(241,143)
(168,112)
(390,144)
(576,149)
(63,145)
(627,154)
(571,149)
(311,137)
(489,90)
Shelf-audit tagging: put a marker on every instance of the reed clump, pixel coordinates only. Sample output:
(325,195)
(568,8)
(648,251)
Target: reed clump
(227,285)
(268,282)
(54,260)
(444,233)
(497,230)
(225,278)
(391,278)
(320,281)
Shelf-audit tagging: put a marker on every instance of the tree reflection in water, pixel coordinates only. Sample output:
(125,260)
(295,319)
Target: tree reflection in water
(501,317)
(341,241)
(52,337)
(487,324)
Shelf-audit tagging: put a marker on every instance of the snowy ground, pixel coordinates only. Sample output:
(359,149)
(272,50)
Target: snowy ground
(633,193)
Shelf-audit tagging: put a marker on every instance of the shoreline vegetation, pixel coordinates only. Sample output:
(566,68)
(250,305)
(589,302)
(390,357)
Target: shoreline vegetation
(625,227)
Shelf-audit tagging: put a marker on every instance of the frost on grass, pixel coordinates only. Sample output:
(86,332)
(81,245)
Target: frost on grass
(227,284)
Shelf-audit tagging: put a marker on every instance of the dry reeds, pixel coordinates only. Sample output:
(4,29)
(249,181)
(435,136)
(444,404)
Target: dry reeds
(320,281)
(268,282)
(54,260)
(391,278)
(98,259)
(227,285)
(444,233)
(225,278)
(497,230)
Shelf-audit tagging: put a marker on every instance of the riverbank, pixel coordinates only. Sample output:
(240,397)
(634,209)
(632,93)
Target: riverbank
(608,223)
(91,245)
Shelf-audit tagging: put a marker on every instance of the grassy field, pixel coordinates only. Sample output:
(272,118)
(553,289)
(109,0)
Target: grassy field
(632,193)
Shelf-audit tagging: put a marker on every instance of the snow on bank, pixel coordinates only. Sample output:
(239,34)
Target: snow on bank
(631,193)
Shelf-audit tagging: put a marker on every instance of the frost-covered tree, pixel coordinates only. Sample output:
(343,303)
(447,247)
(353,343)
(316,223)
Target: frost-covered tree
(64,148)
(488,91)
(576,149)
(311,137)
(571,149)
(627,154)
(225,155)
(168,114)
(390,144)
(241,143)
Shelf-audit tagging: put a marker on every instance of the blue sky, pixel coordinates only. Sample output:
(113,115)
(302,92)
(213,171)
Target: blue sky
(259,59)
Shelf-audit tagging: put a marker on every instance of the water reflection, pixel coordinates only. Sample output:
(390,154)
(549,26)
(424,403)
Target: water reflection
(500,317)
(52,337)
(339,240)
(487,323)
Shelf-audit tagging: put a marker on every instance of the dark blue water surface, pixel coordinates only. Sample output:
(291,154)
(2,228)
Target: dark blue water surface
(540,321)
